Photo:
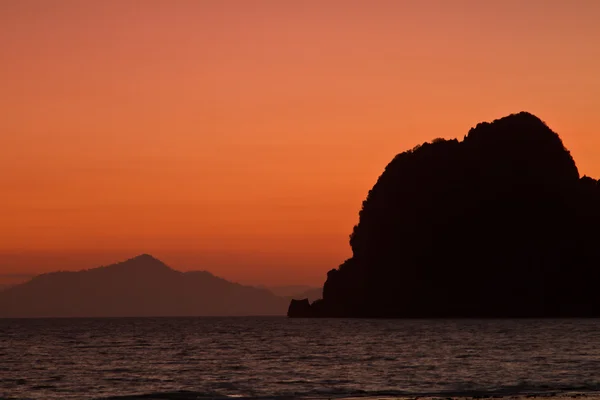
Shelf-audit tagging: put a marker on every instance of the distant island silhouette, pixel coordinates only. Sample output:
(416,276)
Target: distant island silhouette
(141,286)
(499,224)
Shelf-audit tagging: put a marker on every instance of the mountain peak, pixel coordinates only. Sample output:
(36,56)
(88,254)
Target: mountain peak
(143,262)
(144,257)
(515,128)
(523,116)
(525,142)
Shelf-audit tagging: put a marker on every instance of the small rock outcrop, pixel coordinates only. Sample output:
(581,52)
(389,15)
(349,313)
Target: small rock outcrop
(499,224)
(300,308)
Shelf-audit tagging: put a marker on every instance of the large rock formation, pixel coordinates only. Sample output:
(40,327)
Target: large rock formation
(497,225)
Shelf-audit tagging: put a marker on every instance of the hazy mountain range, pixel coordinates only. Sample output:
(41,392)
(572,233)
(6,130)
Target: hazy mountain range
(141,286)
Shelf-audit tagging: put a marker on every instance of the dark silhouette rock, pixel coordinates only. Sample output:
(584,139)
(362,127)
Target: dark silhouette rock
(298,292)
(300,308)
(497,225)
(141,286)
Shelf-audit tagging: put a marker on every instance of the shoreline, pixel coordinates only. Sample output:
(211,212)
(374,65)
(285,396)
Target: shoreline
(567,395)
(456,396)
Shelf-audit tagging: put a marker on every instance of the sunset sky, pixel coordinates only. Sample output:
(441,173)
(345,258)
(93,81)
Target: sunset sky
(241,137)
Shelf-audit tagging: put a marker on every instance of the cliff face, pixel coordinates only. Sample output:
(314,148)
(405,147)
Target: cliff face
(498,224)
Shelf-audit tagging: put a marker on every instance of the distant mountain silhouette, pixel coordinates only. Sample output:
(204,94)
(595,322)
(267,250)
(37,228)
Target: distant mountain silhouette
(141,286)
(497,225)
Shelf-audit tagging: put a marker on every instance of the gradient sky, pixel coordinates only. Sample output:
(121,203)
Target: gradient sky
(242,136)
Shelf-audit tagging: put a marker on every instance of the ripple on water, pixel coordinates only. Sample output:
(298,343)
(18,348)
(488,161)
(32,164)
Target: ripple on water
(254,357)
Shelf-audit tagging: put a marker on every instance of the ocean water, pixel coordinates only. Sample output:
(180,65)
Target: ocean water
(185,358)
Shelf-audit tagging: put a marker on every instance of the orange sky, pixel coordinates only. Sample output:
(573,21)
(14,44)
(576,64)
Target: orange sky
(241,136)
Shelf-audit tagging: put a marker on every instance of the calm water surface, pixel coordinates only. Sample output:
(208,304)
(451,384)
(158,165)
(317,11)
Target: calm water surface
(277,357)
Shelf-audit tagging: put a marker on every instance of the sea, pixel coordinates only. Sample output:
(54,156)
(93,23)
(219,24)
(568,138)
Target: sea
(281,358)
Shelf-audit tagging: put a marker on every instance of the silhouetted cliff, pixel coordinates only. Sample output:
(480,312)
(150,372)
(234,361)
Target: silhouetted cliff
(141,286)
(497,225)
